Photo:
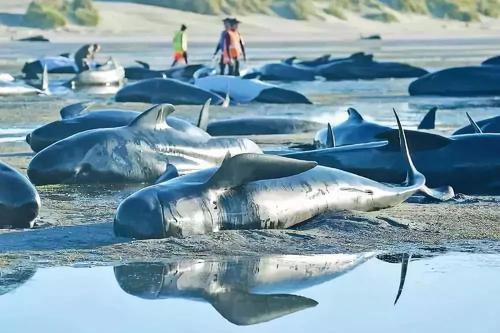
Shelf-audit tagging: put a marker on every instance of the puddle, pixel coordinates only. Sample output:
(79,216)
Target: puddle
(324,293)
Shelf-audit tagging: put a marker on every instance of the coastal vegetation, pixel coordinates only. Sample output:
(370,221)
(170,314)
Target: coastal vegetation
(48,14)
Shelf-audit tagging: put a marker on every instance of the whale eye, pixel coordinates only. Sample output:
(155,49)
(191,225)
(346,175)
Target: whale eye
(85,169)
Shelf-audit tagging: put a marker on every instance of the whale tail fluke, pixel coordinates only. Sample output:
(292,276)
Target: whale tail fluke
(413,176)
(204,115)
(429,120)
(474,125)
(242,308)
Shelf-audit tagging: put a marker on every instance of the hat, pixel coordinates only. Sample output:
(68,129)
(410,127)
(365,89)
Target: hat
(235,21)
(227,19)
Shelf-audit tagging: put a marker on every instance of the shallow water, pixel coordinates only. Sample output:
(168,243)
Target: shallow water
(330,293)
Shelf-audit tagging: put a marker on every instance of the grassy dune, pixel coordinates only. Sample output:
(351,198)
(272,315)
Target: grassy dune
(47,14)
(382,10)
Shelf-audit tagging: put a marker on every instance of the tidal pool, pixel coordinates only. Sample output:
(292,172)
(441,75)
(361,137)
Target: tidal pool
(454,292)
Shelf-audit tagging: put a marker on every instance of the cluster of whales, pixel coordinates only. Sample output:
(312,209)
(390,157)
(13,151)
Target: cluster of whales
(358,66)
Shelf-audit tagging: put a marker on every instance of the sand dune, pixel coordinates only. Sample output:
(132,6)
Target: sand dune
(133,22)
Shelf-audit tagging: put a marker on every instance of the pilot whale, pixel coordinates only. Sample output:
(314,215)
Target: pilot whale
(19,200)
(160,90)
(245,291)
(76,118)
(246,91)
(354,130)
(139,152)
(256,191)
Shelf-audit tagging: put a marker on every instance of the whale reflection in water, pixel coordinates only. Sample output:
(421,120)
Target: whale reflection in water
(245,291)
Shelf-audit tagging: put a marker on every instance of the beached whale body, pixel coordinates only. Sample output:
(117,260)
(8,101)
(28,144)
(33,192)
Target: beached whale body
(16,88)
(283,72)
(459,81)
(261,126)
(363,67)
(76,119)
(245,291)
(19,200)
(246,91)
(58,64)
(255,191)
(139,152)
(171,91)
(494,61)
(183,73)
(469,163)
(354,130)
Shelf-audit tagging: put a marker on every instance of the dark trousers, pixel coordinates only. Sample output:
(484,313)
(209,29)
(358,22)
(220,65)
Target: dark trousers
(234,68)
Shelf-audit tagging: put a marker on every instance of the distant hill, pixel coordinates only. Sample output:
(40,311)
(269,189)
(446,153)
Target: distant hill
(380,10)
(47,14)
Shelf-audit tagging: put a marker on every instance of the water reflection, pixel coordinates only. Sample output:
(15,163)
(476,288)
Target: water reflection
(12,277)
(245,291)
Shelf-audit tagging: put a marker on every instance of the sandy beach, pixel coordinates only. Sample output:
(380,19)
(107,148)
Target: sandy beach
(122,21)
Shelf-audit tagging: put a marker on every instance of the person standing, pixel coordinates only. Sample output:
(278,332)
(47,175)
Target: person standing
(234,48)
(180,45)
(220,45)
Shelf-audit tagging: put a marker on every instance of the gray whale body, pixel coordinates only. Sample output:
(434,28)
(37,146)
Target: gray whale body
(466,81)
(19,200)
(256,191)
(139,152)
(170,91)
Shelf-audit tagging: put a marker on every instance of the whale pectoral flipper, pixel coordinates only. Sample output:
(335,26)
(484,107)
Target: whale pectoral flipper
(474,125)
(74,110)
(154,118)
(429,120)
(204,115)
(243,308)
(244,168)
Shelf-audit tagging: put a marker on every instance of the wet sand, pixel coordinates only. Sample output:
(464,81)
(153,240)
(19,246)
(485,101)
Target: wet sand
(75,223)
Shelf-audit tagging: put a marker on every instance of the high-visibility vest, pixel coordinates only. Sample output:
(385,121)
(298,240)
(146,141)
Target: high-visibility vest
(180,41)
(234,45)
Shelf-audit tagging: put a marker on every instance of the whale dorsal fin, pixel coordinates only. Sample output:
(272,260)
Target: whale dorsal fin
(243,308)
(474,125)
(289,61)
(75,110)
(204,115)
(45,79)
(354,115)
(417,140)
(330,137)
(143,64)
(429,121)
(244,168)
(154,117)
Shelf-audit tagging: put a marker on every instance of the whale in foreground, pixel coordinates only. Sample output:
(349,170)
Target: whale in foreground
(245,291)
(19,200)
(139,152)
(255,191)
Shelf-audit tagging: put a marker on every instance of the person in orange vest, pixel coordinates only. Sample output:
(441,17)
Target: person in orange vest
(221,43)
(234,48)
(180,45)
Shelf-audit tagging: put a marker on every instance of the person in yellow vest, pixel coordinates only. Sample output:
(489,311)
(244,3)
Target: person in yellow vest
(180,45)
(234,48)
